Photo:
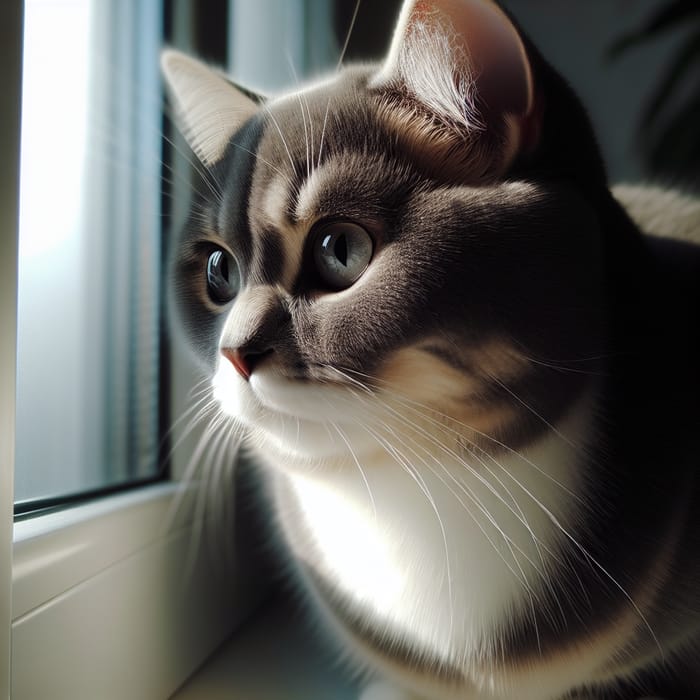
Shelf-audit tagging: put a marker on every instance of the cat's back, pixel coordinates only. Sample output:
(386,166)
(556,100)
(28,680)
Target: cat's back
(661,212)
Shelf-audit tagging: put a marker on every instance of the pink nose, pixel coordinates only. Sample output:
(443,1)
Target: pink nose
(240,362)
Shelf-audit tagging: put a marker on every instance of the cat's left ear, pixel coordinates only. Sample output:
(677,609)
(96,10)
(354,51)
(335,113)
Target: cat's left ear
(464,62)
(210,109)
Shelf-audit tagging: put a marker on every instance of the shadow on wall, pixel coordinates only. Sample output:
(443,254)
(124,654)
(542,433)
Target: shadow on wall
(669,126)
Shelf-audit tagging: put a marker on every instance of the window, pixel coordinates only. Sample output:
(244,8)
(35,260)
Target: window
(89,248)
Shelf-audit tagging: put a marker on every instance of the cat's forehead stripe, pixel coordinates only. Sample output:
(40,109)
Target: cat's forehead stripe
(306,206)
(275,201)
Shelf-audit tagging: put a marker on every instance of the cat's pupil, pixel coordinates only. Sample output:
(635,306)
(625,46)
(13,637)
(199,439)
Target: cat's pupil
(342,252)
(222,277)
(341,249)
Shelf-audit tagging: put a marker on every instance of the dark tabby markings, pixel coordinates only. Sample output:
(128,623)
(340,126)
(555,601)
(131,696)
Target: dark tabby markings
(236,169)
(268,261)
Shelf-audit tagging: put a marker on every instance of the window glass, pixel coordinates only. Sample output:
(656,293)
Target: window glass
(90,247)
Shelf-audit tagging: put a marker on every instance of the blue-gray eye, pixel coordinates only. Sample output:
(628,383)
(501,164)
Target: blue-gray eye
(342,252)
(223,278)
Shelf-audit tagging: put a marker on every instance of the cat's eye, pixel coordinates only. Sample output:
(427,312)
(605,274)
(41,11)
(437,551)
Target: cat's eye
(223,279)
(342,252)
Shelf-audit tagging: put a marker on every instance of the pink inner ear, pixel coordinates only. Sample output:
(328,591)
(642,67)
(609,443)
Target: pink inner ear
(496,53)
(489,45)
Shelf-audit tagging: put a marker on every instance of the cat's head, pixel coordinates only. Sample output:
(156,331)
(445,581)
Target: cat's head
(400,239)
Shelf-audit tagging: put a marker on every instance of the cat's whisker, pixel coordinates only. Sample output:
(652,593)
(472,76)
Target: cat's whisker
(460,485)
(205,173)
(281,135)
(308,133)
(344,438)
(450,452)
(418,479)
(510,544)
(348,35)
(219,490)
(194,414)
(109,139)
(535,413)
(112,125)
(463,487)
(563,367)
(588,557)
(306,137)
(538,543)
(428,411)
(519,514)
(323,134)
(257,156)
(194,463)
(214,441)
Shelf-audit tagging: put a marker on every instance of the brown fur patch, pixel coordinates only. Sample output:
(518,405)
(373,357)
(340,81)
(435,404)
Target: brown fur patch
(450,395)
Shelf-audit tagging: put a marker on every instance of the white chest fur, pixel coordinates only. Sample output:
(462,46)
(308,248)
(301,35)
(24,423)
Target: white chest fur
(439,547)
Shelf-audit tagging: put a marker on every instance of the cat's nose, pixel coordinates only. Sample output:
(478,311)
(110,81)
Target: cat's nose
(256,326)
(245,359)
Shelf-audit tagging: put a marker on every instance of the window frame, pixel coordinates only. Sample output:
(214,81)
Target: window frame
(10,66)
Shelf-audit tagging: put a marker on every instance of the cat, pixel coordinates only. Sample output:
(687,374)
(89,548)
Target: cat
(468,380)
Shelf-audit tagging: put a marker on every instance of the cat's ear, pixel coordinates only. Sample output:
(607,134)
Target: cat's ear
(465,63)
(209,108)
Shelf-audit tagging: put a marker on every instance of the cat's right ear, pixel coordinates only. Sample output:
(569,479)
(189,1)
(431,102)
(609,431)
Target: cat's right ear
(209,108)
(460,84)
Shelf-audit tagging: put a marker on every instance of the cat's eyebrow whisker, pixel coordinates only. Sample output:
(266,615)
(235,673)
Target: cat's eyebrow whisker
(113,129)
(281,135)
(310,131)
(201,169)
(348,35)
(257,156)
(563,368)
(118,152)
(323,133)
(306,137)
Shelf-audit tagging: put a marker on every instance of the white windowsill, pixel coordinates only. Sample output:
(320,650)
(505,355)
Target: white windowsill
(272,657)
(104,605)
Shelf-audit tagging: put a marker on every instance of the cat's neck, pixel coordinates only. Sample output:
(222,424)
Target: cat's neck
(371,524)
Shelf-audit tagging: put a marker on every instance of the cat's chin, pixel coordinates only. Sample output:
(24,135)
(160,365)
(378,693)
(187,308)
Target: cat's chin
(300,420)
